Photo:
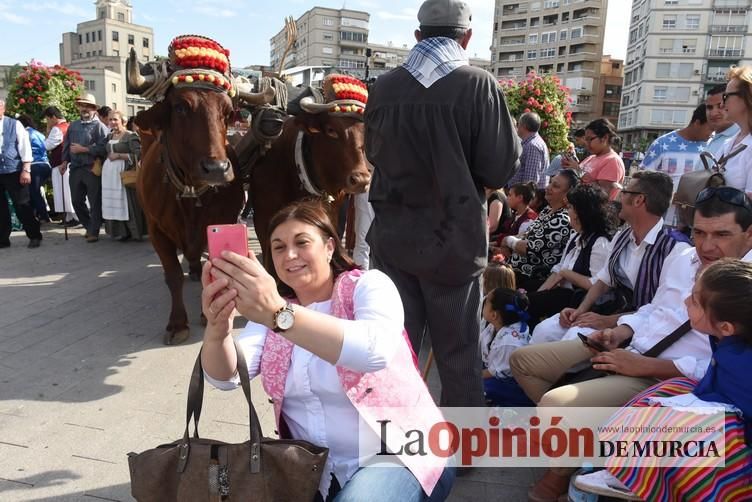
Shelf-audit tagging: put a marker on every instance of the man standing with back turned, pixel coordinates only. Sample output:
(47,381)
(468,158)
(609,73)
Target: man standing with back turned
(437,133)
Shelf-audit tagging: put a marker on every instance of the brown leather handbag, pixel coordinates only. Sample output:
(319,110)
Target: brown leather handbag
(196,469)
(692,183)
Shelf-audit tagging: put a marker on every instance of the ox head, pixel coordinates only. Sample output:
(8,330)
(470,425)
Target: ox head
(338,148)
(191,121)
(337,143)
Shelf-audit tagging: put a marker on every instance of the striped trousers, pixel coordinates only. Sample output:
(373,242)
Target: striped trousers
(451,317)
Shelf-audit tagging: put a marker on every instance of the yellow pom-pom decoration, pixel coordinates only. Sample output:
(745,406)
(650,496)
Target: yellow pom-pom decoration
(201,76)
(175,80)
(189,79)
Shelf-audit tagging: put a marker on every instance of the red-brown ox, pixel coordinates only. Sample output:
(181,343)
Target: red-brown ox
(327,149)
(186,181)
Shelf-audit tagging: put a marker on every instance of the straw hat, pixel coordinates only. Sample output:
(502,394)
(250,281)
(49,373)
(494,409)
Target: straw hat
(87,99)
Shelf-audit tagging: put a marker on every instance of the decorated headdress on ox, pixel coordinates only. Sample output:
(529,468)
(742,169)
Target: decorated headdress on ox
(342,96)
(194,61)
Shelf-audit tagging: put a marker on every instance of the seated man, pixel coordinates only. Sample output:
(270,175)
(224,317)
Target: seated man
(723,229)
(634,269)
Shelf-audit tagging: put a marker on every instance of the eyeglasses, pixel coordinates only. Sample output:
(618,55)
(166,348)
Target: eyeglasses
(591,138)
(726,95)
(633,192)
(729,195)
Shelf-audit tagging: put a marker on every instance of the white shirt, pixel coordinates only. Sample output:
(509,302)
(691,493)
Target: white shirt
(738,173)
(22,136)
(691,354)
(316,407)
(496,348)
(717,143)
(631,256)
(54,139)
(598,257)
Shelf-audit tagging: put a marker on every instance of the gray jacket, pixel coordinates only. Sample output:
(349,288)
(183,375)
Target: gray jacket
(92,134)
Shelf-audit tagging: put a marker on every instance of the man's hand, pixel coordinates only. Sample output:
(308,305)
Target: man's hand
(623,362)
(63,167)
(568,316)
(76,148)
(612,337)
(25,178)
(593,320)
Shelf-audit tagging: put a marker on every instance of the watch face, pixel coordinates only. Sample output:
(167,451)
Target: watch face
(285,320)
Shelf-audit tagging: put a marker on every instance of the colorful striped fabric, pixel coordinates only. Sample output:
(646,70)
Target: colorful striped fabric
(729,484)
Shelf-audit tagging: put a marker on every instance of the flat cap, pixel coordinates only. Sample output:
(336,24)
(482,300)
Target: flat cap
(450,13)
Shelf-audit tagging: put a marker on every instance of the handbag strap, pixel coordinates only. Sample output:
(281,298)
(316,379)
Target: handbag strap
(720,164)
(195,403)
(668,341)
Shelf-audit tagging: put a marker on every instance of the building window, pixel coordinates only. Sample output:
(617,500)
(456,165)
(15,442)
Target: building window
(121,17)
(88,54)
(327,50)
(669,22)
(353,36)
(357,23)
(87,38)
(671,2)
(532,38)
(99,52)
(328,21)
(145,42)
(532,54)
(116,52)
(548,53)
(563,35)
(131,39)
(576,33)
(80,39)
(327,36)
(551,4)
(548,37)
(693,22)
(102,13)
(351,63)
(115,36)
(99,35)
(660,93)
(90,85)
(114,88)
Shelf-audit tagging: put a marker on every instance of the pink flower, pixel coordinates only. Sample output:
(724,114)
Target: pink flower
(537,92)
(22,101)
(527,110)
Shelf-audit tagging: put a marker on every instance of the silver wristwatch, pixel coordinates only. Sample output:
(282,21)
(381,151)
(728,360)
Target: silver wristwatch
(284,318)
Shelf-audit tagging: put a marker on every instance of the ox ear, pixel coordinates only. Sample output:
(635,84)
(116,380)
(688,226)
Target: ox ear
(156,118)
(312,123)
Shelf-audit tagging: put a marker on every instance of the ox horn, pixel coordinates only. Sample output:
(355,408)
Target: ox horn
(258,98)
(309,105)
(135,80)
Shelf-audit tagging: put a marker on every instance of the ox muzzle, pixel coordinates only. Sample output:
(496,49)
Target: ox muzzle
(216,172)
(358,182)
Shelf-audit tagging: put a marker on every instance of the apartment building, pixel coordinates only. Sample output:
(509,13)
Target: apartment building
(563,37)
(98,49)
(607,100)
(326,37)
(677,50)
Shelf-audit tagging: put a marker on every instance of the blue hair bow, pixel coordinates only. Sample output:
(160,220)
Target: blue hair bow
(522,314)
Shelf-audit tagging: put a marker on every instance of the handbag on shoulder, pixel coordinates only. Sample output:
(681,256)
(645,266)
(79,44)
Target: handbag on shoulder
(197,469)
(691,184)
(96,167)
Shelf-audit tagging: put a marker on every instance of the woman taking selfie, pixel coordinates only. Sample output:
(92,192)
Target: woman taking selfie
(604,167)
(329,344)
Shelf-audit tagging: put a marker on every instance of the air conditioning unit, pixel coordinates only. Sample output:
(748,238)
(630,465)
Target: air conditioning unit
(697,72)
(695,93)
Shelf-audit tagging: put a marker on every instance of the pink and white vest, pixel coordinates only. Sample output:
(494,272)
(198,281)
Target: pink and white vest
(398,385)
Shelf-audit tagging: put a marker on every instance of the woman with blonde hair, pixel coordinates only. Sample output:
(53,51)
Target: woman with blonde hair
(737,101)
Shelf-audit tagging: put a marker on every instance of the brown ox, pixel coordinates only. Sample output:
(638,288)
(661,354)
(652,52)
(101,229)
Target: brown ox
(186,181)
(332,150)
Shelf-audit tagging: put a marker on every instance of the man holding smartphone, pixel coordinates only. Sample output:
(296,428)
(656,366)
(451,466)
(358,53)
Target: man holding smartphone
(723,229)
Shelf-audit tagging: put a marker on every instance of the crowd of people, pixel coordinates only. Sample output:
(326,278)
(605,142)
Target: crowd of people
(517,268)
(79,162)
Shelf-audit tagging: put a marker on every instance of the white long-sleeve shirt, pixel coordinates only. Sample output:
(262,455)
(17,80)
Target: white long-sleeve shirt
(315,407)
(22,136)
(496,348)
(54,139)
(691,354)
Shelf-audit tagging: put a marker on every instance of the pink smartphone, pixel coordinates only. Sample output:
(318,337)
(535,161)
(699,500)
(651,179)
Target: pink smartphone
(227,238)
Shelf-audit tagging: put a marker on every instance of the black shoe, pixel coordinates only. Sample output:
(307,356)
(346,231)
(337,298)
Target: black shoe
(35,243)
(71,223)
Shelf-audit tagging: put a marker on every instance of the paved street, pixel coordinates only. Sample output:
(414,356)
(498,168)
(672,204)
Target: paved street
(85,379)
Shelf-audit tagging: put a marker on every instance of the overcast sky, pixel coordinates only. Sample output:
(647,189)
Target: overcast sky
(33,29)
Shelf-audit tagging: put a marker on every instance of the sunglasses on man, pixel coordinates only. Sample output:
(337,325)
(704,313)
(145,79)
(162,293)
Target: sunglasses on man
(729,195)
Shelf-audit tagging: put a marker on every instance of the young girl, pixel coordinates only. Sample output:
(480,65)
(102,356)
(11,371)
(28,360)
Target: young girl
(505,310)
(718,306)
(497,275)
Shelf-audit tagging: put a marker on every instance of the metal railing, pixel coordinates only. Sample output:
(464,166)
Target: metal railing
(728,28)
(725,53)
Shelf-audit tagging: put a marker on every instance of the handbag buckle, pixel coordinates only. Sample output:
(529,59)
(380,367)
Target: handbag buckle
(183,451)
(255,458)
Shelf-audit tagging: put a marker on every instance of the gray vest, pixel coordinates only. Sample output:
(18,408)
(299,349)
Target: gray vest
(10,160)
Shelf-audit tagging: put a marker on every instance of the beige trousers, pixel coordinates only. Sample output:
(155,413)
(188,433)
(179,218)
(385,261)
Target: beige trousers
(538,367)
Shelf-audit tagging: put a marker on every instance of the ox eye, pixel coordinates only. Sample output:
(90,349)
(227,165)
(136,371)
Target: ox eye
(331,132)
(181,108)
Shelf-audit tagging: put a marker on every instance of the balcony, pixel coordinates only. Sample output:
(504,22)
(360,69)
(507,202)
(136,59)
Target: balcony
(683,51)
(731,4)
(515,11)
(725,53)
(732,28)
(516,27)
(716,77)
